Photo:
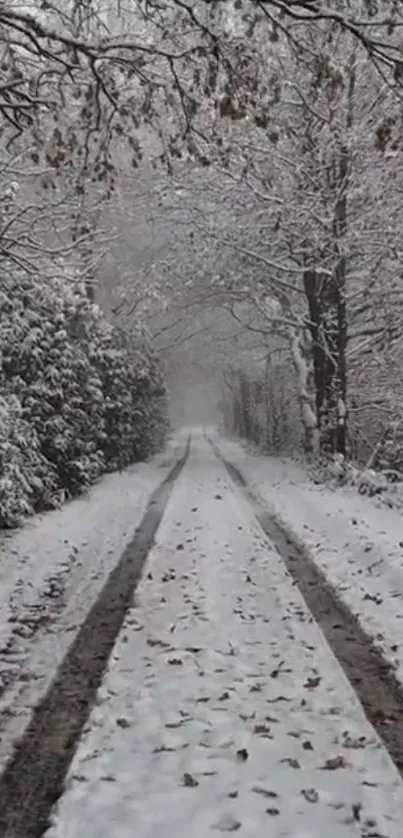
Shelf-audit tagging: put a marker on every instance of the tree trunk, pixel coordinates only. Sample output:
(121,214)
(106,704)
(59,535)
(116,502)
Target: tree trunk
(309,420)
(326,296)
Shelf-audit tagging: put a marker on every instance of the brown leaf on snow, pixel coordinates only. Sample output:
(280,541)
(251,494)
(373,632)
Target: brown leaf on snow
(279,670)
(174,725)
(312,682)
(334,763)
(122,723)
(162,749)
(311,795)
(293,763)
(151,642)
(354,742)
(242,754)
(225,696)
(175,661)
(262,729)
(189,781)
(265,792)
(227,824)
(307,745)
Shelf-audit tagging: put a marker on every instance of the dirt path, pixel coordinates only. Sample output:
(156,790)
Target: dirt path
(223,708)
(33,779)
(221,637)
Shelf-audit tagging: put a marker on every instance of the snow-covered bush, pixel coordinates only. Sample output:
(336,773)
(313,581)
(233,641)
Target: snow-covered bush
(74,401)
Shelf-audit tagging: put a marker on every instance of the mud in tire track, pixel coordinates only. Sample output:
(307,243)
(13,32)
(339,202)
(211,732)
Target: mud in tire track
(371,676)
(33,779)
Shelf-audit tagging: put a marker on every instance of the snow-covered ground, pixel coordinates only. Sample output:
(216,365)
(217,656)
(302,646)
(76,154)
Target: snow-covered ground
(51,571)
(223,708)
(357,542)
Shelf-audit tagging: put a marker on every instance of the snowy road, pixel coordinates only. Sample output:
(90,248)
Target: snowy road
(223,708)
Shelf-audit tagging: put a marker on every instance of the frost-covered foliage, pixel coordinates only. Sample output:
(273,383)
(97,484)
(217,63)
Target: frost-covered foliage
(261,406)
(75,401)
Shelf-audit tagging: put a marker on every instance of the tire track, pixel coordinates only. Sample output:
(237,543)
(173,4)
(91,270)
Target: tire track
(371,676)
(33,778)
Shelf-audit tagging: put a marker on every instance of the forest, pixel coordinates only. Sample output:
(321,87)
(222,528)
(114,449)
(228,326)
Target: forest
(201,196)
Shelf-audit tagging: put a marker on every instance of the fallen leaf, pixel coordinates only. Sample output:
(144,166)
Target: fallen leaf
(279,698)
(278,670)
(162,749)
(352,742)
(356,807)
(293,763)
(180,547)
(151,642)
(175,661)
(242,754)
(307,745)
(225,696)
(272,811)
(311,795)
(227,824)
(261,729)
(122,723)
(334,763)
(265,792)
(189,781)
(312,682)
(217,497)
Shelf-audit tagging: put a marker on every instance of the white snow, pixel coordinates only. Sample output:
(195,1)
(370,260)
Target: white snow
(357,544)
(51,571)
(222,704)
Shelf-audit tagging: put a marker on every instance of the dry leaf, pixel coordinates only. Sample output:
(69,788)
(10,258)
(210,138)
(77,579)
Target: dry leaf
(151,642)
(227,824)
(162,749)
(225,696)
(262,729)
(311,795)
(189,781)
(265,792)
(334,763)
(242,754)
(293,763)
(312,682)
(307,745)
